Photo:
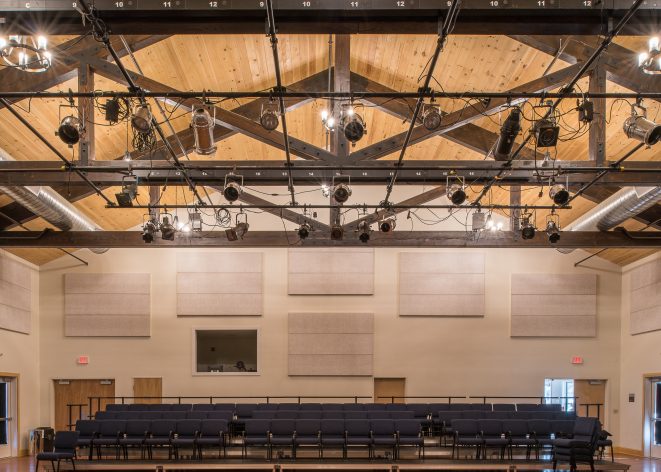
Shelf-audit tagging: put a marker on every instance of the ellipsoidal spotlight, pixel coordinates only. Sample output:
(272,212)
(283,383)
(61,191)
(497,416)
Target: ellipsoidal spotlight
(141,119)
(148,231)
(337,232)
(364,232)
(638,127)
(232,191)
(70,130)
(559,194)
(341,193)
(127,194)
(167,229)
(552,231)
(353,125)
(546,133)
(431,118)
(387,224)
(527,229)
(269,118)
(304,230)
(203,124)
(456,194)
(508,133)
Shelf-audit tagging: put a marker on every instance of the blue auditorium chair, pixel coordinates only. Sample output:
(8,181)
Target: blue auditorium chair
(543,433)
(520,435)
(117,407)
(493,436)
(197,415)
(353,407)
(384,435)
(308,434)
(310,406)
(282,435)
(467,434)
(332,415)
(401,415)
(203,407)
(409,434)
(86,430)
(160,435)
(578,446)
(333,435)
(286,414)
(181,407)
(64,449)
(358,434)
(355,415)
(213,433)
(185,436)
(108,436)
(134,436)
(256,434)
(310,414)
(504,407)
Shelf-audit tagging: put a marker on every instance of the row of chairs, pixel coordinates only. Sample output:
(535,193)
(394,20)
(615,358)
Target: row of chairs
(503,415)
(426,408)
(261,415)
(269,434)
(165,415)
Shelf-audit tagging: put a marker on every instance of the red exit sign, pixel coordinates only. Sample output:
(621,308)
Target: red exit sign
(577,360)
(83,360)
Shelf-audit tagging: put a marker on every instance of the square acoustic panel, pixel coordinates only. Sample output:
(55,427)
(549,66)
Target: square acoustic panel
(331,271)
(15,295)
(646,298)
(554,305)
(219,284)
(441,284)
(331,344)
(107,304)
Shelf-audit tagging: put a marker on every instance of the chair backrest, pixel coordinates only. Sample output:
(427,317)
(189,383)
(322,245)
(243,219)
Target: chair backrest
(308,427)
(448,417)
(87,428)
(481,406)
(188,428)
(491,428)
(353,407)
(283,427)
(563,426)
(139,407)
(401,415)
(105,415)
(440,407)
(181,407)
(498,415)
(203,407)
(213,427)
(408,427)
(332,415)
(585,427)
(220,415)
(197,415)
(375,407)
(174,415)
(332,427)
(310,406)
(224,407)
(527,407)
(396,407)
(542,415)
(473,414)
(244,410)
(112,428)
(137,427)
(460,407)
(520,415)
(310,414)
(466,427)
(162,428)
(379,414)
(117,407)
(65,441)
(420,410)
(264,415)
(542,428)
(517,428)
(286,414)
(357,427)
(383,427)
(257,427)
(331,407)
(504,407)
(289,406)
(355,415)
(149,415)
(267,406)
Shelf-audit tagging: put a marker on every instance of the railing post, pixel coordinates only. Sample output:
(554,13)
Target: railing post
(211,400)
(355,399)
(69,425)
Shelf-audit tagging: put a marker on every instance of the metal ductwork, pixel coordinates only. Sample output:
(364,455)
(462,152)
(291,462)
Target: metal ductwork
(619,207)
(51,206)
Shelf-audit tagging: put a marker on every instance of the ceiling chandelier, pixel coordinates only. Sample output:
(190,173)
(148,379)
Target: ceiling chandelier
(27,53)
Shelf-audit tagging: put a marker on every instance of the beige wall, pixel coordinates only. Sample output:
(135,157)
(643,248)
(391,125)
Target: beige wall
(19,354)
(437,356)
(640,354)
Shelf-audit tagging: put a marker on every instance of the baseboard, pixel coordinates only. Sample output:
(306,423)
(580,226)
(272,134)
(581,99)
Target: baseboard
(23,452)
(629,452)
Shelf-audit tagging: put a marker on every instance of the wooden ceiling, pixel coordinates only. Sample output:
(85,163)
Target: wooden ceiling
(244,63)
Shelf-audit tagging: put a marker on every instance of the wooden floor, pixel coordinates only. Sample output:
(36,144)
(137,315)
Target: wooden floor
(25,464)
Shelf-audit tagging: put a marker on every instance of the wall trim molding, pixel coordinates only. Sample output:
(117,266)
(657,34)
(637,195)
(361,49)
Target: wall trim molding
(628,451)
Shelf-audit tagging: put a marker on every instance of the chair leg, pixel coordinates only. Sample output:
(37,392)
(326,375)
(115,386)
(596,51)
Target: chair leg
(612,454)
(36,469)
(73,464)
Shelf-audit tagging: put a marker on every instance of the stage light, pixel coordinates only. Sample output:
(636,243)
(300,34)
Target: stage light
(365,230)
(479,220)
(196,221)
(304,231)
(111,109)
(456,194)
(508,133)
(341,193)
(148,230)
(167,230)
(388,224)
(650,62)
(552,231)
(431,117)
(127,194)
(233,187)
(559,194)
(527,228)
(240,228)
(337,232)
(352,125)
(70,130)
(325,190)
(546,133)
(141,119)
(203,124)
(641,129)
(269,118)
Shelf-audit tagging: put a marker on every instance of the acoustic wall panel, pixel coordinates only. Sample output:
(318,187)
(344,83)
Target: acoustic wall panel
(15,295)
(441,284)
(554,305)
(107,304)
(219,284)
(331,271)
(331,343)
(646,298)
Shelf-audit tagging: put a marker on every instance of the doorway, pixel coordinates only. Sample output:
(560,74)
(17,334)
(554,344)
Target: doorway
(591,394)
(560,391)
(8,415)
(77,392)
(652,420)
(147,387)
(388,390)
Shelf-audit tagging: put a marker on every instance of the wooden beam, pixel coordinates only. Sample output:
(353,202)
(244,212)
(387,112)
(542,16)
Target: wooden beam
(154,199)
(438,239)
(86,149)
(597,132)
(341,83)
(515,215)
(225,118)
(464,116)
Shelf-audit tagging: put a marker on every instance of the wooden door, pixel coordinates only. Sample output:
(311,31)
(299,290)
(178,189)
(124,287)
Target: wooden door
(590,392)
(387,388)
(78,392)
(147,387)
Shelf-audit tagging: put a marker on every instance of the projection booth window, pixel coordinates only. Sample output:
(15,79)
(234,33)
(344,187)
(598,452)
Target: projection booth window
(226,351)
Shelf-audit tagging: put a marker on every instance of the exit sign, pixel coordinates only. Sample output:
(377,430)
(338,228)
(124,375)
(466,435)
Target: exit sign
(83,360)
(577,360)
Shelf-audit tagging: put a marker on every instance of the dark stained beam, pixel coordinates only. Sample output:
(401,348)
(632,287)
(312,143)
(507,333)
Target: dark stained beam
(86,149)
(464,116)
(515,216)
(341,83)
(455,239)
(597,133)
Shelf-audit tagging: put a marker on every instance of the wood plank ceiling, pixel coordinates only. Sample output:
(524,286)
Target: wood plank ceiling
(244,63)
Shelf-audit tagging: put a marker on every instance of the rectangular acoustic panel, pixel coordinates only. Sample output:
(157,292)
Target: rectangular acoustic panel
(331,271)
(554,305)
(441,284)
(219,284)
(15,295)
(331,344)
(646,298)
(107,304)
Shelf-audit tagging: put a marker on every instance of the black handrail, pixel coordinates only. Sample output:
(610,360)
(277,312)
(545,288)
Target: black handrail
(588,405)
(420,397)
(70,406)
(541,398)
